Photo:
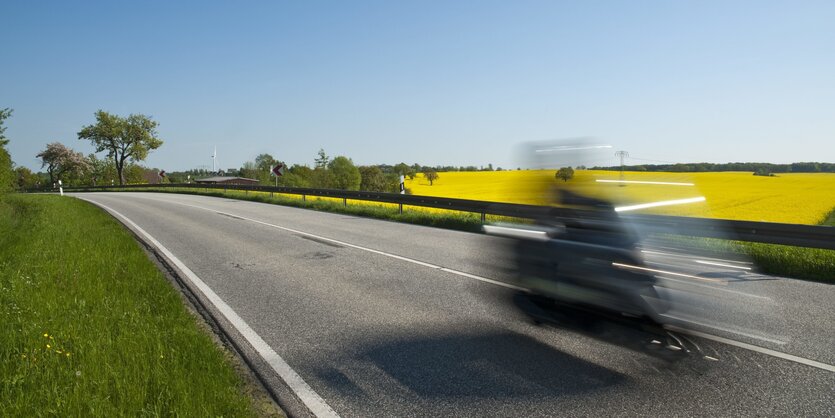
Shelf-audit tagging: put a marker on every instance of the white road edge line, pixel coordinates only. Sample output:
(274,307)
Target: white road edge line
(766,351)
(306,394)
(739,344)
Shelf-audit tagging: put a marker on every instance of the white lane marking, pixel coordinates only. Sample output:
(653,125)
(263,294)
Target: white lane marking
(358,247)
(308,396)
(661,203)
(761,350)
(689,276)
(750,347)
(710,263)
(688,257)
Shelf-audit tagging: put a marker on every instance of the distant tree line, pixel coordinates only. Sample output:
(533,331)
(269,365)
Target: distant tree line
(332,173)
(761,168)
(125,140)
(7,175)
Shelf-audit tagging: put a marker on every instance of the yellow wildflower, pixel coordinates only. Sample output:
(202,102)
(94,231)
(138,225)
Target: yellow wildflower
(48,346)
(45,334)
(68,354)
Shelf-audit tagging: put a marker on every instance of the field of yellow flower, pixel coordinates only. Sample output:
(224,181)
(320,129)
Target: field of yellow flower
(803,198)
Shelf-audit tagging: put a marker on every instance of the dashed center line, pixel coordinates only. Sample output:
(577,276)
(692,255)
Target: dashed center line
(739,344)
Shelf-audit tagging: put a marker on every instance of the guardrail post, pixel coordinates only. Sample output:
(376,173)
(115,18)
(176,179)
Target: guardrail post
(344,202)
(483,217)
(400,208)
(304,198)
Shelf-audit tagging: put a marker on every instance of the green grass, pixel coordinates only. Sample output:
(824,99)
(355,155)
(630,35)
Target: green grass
(90,327)
(802,263)
(796,262)
(780,260)
(830,219)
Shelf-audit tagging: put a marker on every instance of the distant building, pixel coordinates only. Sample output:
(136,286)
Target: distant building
(226,180)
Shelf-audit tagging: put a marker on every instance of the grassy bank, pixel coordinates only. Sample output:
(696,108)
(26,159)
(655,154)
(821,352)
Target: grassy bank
(830,219)
(90,327)
(779,260)
(796,262)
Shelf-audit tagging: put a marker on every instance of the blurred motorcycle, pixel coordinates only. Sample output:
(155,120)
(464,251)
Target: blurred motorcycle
(580,267)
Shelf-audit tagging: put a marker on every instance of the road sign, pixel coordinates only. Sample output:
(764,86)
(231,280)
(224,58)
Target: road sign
(162,173)
(278,170)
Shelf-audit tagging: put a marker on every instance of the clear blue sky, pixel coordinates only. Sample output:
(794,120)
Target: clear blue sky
(434,82)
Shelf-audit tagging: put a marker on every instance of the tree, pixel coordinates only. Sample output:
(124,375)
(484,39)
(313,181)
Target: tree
(4,114)
(297,176)
(264,162)
(6,174)
(344,174)
(25,178)
(101,171)
(323,159)
(372,179)
(430,175)
(321,178)
(403,169)
(127,139)
(61,161)
(249,170)
(565,173)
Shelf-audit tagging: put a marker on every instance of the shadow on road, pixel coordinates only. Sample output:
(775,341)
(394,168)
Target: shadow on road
(491,365)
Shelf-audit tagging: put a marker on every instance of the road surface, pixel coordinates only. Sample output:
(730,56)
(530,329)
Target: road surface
(350,316)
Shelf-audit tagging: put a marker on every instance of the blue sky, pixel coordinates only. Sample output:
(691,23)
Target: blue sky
(434,82)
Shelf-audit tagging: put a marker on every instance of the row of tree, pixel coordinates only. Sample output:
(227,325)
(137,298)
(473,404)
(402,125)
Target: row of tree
(327,173)
(7,176)
(125,140)
(806,167)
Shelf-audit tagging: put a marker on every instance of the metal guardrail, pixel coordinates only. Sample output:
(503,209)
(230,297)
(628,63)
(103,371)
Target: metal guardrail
(764,232)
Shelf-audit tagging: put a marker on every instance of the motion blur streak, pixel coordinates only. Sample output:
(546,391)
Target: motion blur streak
(627,266)
(588,269)
(710,263)
(661,203)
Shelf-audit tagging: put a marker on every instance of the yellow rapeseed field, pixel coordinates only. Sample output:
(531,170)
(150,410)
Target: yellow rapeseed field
(804,198)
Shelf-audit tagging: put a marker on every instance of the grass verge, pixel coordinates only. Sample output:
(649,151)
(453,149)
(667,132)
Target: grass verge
(830,219)
(796,262)
(780,260)
(90,327)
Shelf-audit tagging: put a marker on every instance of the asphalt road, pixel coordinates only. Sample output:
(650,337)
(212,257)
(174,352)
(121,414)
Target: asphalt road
(386,319)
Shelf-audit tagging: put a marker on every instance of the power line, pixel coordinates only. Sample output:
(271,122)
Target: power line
(621,154)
